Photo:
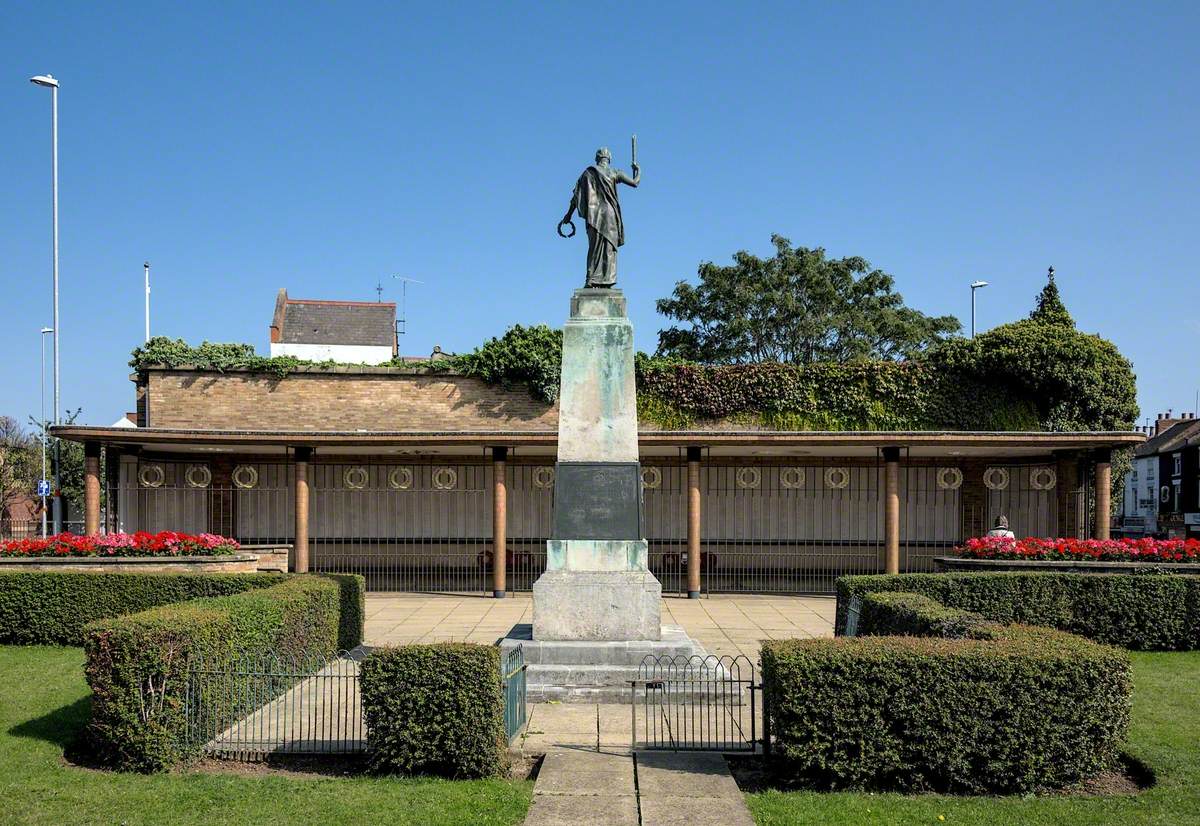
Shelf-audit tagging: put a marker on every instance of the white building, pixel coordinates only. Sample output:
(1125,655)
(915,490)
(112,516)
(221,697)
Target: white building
(350,332)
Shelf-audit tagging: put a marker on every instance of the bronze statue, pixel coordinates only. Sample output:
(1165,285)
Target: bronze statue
(595,199)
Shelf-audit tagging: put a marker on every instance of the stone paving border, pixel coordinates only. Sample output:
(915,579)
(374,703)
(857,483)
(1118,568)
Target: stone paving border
(583,788)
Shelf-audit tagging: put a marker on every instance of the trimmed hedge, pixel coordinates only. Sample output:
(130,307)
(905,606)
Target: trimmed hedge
(136,665)
(915,615)
(352,608)
(52,608)
(1031,709)
(1142,612)
(435,709)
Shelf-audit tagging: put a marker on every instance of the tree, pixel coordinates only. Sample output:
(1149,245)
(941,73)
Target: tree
(1049,308)
(20,465)
(797,307)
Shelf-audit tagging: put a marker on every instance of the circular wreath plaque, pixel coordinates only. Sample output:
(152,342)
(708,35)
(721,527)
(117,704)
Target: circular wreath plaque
(152,476)
(949,478)
(996,478)
(837,478)
(748,478)
(792,478)
(543,477)
(198,476)
(1043,478)
(651,477)
(245,476)
(445,478)
(400,478)
(356,477)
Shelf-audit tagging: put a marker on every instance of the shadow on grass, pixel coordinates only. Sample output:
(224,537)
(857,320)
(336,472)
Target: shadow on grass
(62,727)
(1129,776)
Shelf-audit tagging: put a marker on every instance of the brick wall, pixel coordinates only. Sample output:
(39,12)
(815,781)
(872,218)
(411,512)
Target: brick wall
(364,400)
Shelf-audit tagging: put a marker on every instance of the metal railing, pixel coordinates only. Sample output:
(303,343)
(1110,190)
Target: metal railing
(254,706)
(695,704)
(513,671)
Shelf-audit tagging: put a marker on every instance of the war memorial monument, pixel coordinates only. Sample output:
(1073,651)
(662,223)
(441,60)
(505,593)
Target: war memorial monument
(597,606)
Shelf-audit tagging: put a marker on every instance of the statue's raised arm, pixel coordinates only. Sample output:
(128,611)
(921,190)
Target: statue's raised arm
(595,199)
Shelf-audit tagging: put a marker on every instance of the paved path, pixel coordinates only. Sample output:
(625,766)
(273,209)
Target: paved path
(723,623)
(584,788)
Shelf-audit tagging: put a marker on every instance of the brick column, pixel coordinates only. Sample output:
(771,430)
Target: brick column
(693,522)
(300,548)
(891,510)
(499,522)
(91,488)
(1103,492)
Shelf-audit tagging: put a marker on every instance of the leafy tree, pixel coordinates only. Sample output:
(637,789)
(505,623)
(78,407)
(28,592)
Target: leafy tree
(530,355)
(797,307)
(1049,308)
(20,463)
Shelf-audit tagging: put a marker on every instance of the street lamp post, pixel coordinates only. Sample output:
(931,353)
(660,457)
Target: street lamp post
(975,285)
(42,423)
(146,271)
(50,83)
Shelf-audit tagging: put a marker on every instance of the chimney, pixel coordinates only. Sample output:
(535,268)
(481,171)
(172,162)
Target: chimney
(1167,420)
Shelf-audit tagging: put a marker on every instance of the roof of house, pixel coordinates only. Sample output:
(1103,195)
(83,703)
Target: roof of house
(1176,437)
(311,321)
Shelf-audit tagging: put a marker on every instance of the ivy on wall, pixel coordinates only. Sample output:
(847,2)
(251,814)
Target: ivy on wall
(1029,375)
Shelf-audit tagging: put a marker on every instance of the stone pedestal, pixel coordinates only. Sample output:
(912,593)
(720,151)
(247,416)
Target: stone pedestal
(597,607)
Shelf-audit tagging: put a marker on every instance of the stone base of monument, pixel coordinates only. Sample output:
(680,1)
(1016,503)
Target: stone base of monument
(591,671)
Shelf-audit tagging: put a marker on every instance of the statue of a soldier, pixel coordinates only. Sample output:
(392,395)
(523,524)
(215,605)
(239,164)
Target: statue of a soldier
(595,199)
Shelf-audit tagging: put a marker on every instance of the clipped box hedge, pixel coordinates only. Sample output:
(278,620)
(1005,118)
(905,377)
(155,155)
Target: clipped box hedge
(1028,709)
(435,709)
(136,664)
(916,615)
(1142,612)
(53,608)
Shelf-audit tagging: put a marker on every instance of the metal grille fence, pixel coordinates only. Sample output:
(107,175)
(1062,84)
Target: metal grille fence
(530,522)
(664,496)
(931,515)
(789,529)
(404,527)
(513,672)
(254,706)
(694,704)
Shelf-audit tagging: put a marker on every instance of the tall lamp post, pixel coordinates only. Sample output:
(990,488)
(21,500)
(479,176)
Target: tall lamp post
(50,83)
(975,285)
(42,423)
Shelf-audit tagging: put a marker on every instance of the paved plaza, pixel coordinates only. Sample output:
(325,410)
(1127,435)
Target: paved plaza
(724,624)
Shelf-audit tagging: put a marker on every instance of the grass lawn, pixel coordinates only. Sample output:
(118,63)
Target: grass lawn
(44,701)
(1165,734)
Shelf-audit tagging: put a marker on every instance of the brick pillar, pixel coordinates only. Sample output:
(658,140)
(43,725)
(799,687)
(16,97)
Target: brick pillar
(891,510)
(300,548)
(974,499)
(499,522)
(91,488)
(693,522)
(221,501)
(1103,492)
(1067,495)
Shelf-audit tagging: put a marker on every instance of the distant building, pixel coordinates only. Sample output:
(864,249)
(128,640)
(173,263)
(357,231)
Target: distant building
(1162,490)
(350,332)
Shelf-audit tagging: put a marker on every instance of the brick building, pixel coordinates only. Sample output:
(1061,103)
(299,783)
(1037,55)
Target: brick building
(436,481)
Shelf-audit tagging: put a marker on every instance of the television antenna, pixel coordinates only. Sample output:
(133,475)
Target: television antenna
(402,320)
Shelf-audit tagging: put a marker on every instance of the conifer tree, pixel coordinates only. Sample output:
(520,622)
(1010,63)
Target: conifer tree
(1050,308)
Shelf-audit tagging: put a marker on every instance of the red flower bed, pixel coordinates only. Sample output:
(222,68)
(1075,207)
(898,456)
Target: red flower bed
(166,543)
(1098,550)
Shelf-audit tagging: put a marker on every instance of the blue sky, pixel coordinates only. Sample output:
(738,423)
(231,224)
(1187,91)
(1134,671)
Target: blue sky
(246,147)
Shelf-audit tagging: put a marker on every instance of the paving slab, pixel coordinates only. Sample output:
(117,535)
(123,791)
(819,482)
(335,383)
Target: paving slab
(575,810)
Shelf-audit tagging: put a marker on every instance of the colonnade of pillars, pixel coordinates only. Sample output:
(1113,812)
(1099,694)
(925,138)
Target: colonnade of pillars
(891,522)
